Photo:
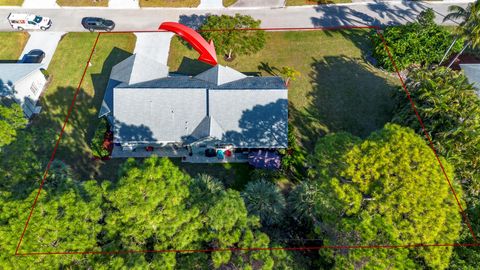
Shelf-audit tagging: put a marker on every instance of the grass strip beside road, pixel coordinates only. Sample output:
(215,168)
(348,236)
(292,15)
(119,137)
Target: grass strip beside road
(83,3)
(169,3)
(227,3)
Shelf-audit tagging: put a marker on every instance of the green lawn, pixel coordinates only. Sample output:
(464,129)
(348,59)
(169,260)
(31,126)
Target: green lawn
(11,45)
(169,3)
(314,2)
(337,89)
(11,2)
(79,3)
(66,68)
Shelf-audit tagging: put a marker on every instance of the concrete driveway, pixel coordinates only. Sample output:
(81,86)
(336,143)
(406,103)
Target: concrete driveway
(259,3)
(45,41)
(154,45)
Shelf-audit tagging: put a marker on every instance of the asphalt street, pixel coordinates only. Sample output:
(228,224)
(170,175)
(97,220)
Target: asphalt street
(360,14)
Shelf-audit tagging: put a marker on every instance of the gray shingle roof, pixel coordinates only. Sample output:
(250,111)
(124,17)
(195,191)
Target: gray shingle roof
(249,112)
(138,68)
(263,83)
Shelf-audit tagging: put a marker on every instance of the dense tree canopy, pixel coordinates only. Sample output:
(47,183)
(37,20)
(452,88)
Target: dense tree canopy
(450,111)
(422,43)
(11,120)
(386,190)
(230,40)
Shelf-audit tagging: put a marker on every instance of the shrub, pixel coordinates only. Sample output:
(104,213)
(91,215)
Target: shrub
(96,145)
(293,158)
(422,42)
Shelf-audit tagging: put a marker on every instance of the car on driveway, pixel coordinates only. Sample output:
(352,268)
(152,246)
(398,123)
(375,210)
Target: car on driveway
(33,56)
(95,23)
(23,21)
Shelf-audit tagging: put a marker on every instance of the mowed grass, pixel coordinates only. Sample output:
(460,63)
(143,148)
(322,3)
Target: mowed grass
(169,3)
(11,2)
(67,67)
(313,2)
(80,3)
(337,89)
(11,45)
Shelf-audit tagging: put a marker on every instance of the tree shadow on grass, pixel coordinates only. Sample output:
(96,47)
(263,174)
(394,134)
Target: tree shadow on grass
(346,96)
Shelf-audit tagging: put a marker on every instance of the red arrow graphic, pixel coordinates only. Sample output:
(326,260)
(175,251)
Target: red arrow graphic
(206,50)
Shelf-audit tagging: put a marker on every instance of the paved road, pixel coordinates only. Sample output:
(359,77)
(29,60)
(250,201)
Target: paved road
(259,3)
(375,13)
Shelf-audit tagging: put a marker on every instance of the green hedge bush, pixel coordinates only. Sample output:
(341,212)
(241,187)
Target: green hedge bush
(97,141)
(422,42)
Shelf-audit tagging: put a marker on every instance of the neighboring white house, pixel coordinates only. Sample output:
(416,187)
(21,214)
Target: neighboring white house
(472,72)
(22,83)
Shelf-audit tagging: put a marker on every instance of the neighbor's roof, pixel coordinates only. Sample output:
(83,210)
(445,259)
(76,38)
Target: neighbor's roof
(472,72)
(10,73)
(13,72)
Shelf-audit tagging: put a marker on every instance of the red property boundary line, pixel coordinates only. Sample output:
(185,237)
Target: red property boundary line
(464,215)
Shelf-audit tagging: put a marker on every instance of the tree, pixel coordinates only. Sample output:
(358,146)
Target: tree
(228,36)
(468,28)
(265,200)
(11,120)
(450,111)
(379,192)
(148,209)
(66,218)
(421,43)
(289,73)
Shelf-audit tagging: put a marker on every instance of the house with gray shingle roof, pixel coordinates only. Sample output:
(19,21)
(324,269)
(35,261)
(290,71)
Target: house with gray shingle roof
(22,83)
(148,108)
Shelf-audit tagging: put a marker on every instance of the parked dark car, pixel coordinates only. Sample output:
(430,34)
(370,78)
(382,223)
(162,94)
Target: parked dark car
(94,23)
(33,56)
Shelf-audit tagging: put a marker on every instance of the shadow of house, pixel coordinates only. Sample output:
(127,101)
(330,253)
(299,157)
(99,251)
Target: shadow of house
(192,67)
(262,126)
(348,96)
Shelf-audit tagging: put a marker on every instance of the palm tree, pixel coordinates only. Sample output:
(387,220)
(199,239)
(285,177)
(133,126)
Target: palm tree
(289,73)
(265,200)
(468,28)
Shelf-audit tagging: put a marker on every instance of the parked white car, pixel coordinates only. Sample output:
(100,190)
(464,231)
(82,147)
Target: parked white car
(23,21)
